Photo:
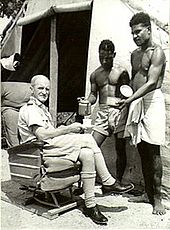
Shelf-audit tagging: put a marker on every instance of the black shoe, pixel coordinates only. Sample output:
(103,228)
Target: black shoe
(117,188)
(96,216)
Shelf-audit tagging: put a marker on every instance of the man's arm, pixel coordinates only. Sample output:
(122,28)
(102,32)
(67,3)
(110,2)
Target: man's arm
(123,80)
(92,98)
(132,71)
(43,134)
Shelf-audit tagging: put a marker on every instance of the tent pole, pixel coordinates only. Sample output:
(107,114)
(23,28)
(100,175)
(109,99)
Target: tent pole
(53,99)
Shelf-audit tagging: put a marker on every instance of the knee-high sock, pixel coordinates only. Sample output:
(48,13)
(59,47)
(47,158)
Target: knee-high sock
(88,179)
(102,170)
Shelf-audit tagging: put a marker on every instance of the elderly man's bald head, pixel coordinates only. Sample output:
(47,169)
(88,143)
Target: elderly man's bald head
(38,78)
(40,86)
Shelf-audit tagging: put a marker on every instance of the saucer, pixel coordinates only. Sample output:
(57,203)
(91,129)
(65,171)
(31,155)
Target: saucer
(126,90)
(88,126)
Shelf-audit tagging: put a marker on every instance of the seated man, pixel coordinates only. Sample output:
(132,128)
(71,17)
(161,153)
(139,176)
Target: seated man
(67,142)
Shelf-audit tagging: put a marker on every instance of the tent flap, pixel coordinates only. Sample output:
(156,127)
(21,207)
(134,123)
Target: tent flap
(72,7)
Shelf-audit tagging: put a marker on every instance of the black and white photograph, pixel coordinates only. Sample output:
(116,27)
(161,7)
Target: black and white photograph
(85,114)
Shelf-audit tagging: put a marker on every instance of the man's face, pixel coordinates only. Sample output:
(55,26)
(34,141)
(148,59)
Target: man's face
(41,89)
(106,59)
(141,34)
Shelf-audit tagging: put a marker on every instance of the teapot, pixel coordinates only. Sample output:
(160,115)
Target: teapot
(84,108)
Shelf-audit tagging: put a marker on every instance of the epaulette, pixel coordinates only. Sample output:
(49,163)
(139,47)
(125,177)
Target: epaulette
(30,103)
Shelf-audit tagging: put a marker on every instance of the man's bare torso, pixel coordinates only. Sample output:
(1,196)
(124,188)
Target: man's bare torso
(106,82)
(141,62)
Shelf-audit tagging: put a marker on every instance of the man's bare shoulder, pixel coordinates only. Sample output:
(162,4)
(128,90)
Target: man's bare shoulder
(96,72)
(118,72)
(158,53)
(136,52)
(118,69)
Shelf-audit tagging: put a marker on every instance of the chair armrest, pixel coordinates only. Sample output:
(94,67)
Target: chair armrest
(26,146)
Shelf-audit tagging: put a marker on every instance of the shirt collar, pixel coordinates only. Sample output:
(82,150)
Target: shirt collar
(34,100)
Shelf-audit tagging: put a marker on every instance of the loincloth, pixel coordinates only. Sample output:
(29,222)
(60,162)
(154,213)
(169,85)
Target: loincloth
(146,119)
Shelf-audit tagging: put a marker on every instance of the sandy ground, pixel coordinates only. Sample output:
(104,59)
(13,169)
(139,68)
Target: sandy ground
(121,213)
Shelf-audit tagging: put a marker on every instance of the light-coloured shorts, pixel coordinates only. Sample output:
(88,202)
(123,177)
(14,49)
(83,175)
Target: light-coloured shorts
(68,146)
(110,120)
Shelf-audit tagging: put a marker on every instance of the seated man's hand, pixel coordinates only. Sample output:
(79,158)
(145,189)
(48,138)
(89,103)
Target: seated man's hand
(76,128)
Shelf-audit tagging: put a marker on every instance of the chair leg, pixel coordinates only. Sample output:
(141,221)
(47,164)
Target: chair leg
(44,197)
(55,199)
(46,201)
(47,198)
(79,190)
(79,184)
(71,192)
(28,201)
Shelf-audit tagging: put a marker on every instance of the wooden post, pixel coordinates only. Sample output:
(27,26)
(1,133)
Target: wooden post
(53,99)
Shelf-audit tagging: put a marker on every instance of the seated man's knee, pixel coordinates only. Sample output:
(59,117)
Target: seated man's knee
(86,155)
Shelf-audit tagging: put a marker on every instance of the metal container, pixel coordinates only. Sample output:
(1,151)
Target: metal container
(84,108)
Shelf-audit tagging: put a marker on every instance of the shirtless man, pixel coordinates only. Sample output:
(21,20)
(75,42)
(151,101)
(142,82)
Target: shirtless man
(148,67)
(105,82)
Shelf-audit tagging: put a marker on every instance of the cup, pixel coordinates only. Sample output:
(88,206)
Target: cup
(87,122)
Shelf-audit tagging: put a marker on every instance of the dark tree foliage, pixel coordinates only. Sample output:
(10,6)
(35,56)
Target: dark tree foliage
(10,7)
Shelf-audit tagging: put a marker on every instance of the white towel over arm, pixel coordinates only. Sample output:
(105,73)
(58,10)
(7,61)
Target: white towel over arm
(133,125)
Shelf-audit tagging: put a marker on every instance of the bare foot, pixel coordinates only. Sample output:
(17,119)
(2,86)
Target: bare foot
(158,208)
(139,199)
